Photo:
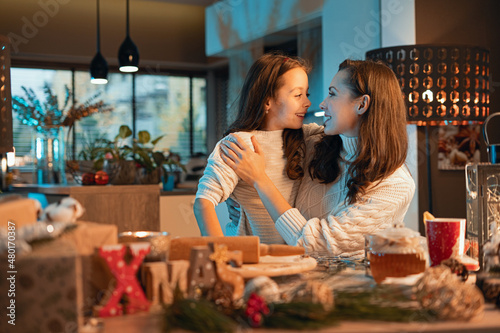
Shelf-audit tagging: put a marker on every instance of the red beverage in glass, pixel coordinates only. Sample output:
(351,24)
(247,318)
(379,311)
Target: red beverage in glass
(445,238)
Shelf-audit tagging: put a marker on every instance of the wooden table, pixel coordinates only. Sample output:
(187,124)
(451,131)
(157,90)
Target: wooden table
(490,323)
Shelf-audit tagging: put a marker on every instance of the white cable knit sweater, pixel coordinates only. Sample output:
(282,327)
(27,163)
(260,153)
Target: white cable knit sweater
(325,225)
(219,181)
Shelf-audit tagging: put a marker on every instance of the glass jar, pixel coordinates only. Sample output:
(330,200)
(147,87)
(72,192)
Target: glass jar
(396,252)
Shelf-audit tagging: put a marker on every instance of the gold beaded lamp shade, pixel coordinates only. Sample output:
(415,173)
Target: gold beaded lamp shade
(441,84)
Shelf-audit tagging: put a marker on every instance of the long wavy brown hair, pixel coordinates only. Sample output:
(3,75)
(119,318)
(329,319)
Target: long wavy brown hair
(382,139)
(262,82)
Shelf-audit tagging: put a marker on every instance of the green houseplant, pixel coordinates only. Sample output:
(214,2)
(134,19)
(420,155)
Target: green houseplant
(148,161)
(138,162)
(116,158)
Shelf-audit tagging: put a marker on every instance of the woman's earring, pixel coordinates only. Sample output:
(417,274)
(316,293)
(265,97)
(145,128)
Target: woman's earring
(267,111)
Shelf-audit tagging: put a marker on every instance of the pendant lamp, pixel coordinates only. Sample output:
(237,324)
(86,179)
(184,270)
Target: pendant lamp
(128,55)
(99,65)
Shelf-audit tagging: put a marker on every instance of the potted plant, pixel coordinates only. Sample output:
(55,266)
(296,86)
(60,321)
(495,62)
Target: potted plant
(137,163)
(116,158)
(148,161)
(88,158)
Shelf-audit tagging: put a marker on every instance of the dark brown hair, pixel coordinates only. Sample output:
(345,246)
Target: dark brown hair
(382,140)
(262,82)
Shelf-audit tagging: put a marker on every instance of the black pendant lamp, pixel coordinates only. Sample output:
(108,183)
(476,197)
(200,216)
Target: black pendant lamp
(128,55)
(99,65)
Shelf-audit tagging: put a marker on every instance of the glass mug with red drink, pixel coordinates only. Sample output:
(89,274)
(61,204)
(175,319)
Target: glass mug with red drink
(445,238)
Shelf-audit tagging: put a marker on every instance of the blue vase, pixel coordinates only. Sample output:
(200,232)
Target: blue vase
(168,180)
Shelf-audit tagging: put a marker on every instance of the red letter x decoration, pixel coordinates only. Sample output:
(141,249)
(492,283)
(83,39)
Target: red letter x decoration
(126,281)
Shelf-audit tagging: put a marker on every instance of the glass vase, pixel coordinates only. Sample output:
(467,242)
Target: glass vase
(48,150)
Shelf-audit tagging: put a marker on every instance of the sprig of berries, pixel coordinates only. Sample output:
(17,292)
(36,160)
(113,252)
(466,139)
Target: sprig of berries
(256,308)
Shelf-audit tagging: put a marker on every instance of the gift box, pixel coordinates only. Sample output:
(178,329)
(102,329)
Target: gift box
(44,290)
(60,280)
(87,237)
(21,211)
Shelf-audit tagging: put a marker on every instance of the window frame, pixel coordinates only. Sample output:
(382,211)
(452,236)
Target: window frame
(147,70)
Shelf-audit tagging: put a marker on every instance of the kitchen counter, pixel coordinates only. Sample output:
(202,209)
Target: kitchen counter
(130,207)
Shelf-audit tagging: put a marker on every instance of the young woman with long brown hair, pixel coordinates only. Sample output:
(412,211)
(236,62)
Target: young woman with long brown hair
(357,181)
(272,105)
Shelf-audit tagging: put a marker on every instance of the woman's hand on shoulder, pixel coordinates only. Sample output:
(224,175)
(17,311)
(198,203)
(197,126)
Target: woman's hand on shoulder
(248,164)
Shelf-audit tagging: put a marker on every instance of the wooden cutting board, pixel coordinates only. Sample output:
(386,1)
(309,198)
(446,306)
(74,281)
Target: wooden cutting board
(276,266)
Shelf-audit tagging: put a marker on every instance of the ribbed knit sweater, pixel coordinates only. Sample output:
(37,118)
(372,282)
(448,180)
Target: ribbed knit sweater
(219,181)
(325,225)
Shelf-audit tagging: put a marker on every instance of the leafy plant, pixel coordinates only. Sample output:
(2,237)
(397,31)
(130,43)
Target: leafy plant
(116,150)
(173,163)
(90,148)
(32,111)
(142,151)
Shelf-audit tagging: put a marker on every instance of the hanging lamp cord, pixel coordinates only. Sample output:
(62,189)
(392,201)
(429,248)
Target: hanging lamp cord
(98,30)
(127,18)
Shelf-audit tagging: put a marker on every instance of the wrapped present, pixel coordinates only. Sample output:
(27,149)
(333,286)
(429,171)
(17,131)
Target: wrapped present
(45,290)
(87,237)
(71,262)
(21,211)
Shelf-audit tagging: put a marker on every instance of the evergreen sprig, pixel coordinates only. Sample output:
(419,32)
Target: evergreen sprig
(197,316)
(299,316)
(377,304)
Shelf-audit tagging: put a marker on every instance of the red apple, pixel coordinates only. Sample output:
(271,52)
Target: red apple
(101,178)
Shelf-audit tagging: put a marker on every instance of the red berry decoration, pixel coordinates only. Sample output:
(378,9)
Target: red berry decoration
(256,307)
(88,178)
(101,178)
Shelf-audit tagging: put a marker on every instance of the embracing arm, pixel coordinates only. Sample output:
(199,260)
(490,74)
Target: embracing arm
(344,229)
(217,183)
(342,233)
(272,199)
(252,170)
(204,211)
(249,165)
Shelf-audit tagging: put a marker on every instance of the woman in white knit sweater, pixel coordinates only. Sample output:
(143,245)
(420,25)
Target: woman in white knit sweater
(273,103)
(357,182)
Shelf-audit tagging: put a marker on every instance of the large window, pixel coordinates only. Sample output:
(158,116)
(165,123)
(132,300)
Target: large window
(173,106)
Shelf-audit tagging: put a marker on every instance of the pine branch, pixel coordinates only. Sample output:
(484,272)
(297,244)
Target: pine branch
(197,316)
(299,316)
